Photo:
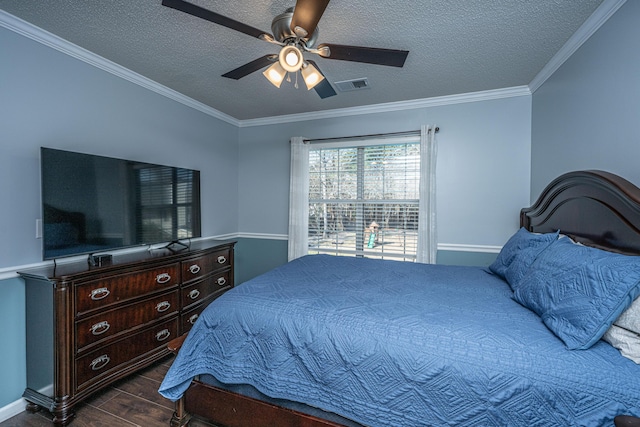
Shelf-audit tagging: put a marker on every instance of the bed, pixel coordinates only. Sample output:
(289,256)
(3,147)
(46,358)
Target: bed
(407,344)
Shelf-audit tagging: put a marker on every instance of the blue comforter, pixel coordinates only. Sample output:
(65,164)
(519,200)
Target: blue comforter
(401,344)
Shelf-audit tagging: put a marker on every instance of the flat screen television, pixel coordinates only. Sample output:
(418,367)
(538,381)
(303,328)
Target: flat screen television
(93,204)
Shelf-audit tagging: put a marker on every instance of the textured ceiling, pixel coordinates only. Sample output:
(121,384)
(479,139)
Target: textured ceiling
(456,46)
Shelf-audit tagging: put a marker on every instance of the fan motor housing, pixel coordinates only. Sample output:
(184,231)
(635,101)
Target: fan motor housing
(281,29)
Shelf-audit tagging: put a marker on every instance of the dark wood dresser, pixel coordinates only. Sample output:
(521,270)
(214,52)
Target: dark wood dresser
(90,326)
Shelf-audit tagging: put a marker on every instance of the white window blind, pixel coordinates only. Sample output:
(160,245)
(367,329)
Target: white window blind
(363,201)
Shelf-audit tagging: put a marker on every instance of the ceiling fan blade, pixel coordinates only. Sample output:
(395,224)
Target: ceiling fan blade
(251,67)
(216,18)
(370,55)
(306,15)
(324,88)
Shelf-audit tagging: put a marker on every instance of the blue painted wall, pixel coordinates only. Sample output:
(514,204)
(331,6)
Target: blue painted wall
(53,100)
(474,259)
(586,115)
(13,370)
(492,153)
(257,256)
(483,168)
(50,99)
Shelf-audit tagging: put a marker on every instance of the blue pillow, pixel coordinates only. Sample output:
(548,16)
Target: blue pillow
(519,253)
(579,291)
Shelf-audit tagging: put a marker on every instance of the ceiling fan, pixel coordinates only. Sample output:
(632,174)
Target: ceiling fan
(296,31)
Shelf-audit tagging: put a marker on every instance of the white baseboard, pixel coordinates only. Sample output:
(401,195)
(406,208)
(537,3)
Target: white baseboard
(12,409)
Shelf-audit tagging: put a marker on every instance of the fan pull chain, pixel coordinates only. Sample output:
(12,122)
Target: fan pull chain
(296,85)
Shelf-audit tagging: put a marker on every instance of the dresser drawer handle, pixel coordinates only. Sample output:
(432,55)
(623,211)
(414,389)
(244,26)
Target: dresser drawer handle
(100,293)
(221,281)
(163,278)
(100,362)
(194,294)
(163,306)
(100,328)
(193,319)
(194,269)
(221,259)
(163,335)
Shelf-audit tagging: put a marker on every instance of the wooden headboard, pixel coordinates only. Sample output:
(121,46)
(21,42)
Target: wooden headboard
(594,207)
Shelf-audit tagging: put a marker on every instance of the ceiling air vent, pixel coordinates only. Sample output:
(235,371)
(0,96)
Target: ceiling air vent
(355,84)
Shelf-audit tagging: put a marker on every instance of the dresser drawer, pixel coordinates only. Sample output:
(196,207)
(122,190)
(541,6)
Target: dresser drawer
(202,289)
(133,316)
(113,289)
(199,267)
(102,361)
(189,317)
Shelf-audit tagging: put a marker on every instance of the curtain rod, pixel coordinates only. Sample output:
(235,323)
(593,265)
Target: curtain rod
(383,135)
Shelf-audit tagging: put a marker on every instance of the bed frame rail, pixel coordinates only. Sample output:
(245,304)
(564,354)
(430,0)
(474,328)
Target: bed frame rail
(234,410)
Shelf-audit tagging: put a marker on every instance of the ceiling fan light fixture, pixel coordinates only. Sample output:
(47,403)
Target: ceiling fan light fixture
(296,30)
(311,75)
(290,58)
(275,74)
(300,32)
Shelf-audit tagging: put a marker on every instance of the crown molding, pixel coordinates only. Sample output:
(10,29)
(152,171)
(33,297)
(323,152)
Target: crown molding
(392,106)
(586,30)
(46,38)
(606,9)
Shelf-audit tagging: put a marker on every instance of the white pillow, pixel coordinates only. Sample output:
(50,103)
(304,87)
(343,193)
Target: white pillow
(624,334)
(630,318)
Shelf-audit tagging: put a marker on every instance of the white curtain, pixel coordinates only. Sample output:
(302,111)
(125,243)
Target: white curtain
(427,246)
(299,198)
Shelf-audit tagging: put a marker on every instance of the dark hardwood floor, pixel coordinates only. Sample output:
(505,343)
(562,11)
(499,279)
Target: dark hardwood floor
(132,402)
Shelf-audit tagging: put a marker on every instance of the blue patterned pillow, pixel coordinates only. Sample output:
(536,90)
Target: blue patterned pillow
(518,254)
(579,291)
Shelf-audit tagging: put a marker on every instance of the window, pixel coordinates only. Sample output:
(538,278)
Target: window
(365,197)
(363,201)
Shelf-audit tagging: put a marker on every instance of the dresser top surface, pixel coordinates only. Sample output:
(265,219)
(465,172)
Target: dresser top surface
(128,259)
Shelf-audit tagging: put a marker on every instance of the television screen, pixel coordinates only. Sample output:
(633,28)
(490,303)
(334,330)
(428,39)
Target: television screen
(93,203)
